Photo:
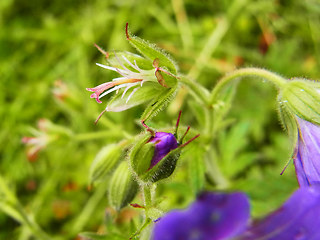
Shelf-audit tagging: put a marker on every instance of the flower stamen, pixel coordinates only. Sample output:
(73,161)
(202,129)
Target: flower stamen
(110,85)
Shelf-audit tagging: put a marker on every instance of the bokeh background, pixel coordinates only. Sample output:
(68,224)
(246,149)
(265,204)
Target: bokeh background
(47,59)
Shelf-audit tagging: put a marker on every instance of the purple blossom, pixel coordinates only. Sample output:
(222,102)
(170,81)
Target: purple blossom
(212,216)
(297,219)
(307,153)
(219,216)
(164,143)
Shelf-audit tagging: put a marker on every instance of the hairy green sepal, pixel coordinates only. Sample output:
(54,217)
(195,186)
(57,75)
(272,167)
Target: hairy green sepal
(164,168)
(141,154)
(151,51)
(302,98)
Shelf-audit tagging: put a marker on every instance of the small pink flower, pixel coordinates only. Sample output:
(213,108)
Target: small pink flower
(105,86)
(34,145)
(60,90)
(42,137)
(130,78)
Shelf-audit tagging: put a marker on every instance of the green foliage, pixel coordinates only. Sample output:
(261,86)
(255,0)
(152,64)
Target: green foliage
(47,59)
(197,169)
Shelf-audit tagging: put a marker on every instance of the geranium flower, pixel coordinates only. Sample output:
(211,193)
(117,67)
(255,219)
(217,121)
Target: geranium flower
(226,216)
(300,113)
(307,153)
(298,218)
(212,216)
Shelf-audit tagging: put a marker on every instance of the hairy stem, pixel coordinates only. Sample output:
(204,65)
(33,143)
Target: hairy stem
(147,196)
(196,89)
(245,72)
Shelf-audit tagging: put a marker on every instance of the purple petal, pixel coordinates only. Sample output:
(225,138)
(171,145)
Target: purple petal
(307,159)
(165,142)
(212,216)
(297,219)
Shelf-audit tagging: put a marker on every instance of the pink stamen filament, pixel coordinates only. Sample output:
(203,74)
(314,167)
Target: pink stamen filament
(103,87)
(181,139)
(186,143)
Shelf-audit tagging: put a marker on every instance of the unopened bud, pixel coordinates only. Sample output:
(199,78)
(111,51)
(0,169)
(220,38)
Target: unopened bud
(155,157)
(104,162)
(123,187)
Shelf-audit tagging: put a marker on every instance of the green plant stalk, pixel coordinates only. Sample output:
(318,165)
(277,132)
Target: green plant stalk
(183,23)
(214,171)
(203,95)
(9,201)
(147,196)
(200,92)
(88,209)
(277,80)
(97,135)
(144,225)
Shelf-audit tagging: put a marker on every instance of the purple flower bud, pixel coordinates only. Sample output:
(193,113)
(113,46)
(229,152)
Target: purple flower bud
(212,216)
(164,143)
(307,153)
(154,157)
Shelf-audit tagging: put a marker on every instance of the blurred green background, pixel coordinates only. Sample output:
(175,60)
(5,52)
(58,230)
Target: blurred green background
(47,59)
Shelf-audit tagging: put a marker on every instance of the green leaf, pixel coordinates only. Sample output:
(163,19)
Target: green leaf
(96,236)
(147,92)
(196,168)
(232,149)
(11,210)
(151,51)
(104,162)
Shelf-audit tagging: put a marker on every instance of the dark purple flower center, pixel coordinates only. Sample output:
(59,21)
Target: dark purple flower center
(165,142)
